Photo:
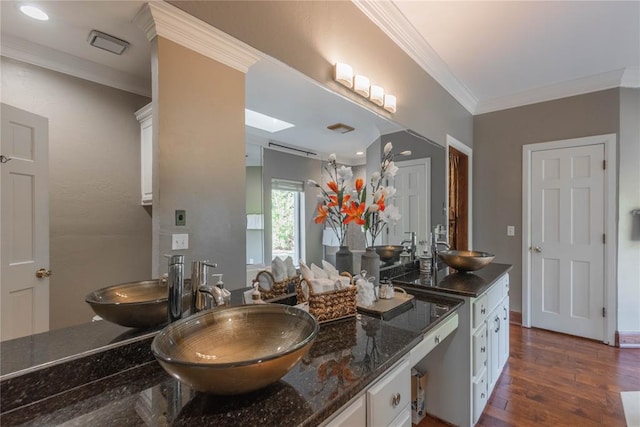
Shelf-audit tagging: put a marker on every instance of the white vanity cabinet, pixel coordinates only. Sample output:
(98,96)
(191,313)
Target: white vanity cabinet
(146,154)
(463,373)
(387,402)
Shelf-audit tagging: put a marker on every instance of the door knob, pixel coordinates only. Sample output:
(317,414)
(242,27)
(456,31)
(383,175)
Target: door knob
(536,249)
(43,272)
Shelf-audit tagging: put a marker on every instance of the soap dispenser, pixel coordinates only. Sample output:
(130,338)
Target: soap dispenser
(405,256)
(226,295)
(256,298)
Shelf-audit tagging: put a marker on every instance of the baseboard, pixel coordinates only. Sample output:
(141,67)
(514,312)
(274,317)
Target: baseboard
(515,317)
(628,339)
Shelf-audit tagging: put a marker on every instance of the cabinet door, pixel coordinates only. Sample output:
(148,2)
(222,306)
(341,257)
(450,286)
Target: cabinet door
(404,419)
(354,415)
(146,161)
(480,396)
(494,327)
(389,396)
(504,334)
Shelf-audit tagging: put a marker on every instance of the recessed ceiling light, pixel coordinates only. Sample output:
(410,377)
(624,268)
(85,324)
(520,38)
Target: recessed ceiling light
(264,122)
(34,12)
(359,153)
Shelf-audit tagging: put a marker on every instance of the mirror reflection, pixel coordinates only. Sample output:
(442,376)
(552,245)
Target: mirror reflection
(99,230)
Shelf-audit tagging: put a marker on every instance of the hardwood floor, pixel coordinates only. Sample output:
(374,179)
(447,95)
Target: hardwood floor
(557,380)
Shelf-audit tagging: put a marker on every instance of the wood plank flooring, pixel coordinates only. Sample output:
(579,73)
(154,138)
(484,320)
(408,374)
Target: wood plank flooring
(558,380)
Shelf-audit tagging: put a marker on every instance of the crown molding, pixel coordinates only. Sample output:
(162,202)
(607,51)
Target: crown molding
(387,16)
(159,18)
(631,77)
(603,81)
(52,59)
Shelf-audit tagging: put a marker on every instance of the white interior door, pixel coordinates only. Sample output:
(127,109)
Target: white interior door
(413,198)
(567,248)
(24,222)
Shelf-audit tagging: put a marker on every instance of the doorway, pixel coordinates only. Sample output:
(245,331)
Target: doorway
(566,197)
(459,178)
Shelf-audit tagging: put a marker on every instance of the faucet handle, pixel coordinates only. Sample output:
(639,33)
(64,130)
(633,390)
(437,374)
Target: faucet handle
(175,259)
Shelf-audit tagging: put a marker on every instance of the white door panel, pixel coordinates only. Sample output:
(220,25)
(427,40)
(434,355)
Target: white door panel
(567,226)
(24,298)
(412,199)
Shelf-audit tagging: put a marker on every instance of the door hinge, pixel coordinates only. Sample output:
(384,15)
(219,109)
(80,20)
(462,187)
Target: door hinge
(604,238)
(604,312)
(604,164)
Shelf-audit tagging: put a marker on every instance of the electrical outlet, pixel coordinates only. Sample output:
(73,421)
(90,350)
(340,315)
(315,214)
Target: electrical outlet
(179,242)
(511,230)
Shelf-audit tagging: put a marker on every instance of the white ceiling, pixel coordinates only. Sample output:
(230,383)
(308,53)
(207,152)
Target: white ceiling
(489,55)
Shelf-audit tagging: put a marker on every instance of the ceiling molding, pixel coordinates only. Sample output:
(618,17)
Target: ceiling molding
(631,77)
(162,19)
(52,59)
(603,81)
(387,16)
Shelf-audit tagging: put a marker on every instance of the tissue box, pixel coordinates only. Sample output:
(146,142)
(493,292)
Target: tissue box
(418,396)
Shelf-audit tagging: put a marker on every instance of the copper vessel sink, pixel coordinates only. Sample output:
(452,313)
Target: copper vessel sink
(466,260)
(389,252)
(134,304)
(235,350)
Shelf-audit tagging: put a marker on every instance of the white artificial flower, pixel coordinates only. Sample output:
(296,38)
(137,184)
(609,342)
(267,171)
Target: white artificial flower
(390,214)
(312,183)
(320,197)
(332,158)
(387,148)
(373,208)
(378,194)
(391,170)
(345,173)
(389,192)
(375,177)
(406,153)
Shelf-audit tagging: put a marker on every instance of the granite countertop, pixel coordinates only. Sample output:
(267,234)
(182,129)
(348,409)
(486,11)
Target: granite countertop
(347,357)
(447,280)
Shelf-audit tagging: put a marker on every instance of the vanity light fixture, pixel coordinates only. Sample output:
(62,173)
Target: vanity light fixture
(361,85)
(34,12)
(344,74)
(377,95)
(390,103)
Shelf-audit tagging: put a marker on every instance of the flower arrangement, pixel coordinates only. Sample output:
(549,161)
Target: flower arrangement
(342,204)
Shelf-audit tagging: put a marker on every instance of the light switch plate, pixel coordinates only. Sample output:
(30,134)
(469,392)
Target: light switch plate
(179,242)
(511,230)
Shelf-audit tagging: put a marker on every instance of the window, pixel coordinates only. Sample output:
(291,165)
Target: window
(287,214)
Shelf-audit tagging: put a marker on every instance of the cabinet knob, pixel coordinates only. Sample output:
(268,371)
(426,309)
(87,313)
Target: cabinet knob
(42,273)
(483,349)
(437,339)
(395,399)
(483,310)
(481,395)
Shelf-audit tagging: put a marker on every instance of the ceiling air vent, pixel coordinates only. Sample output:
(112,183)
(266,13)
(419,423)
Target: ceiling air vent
(340,128)
(107,42)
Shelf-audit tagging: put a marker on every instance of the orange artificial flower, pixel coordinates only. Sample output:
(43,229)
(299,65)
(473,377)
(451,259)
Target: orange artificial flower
(323,211)
(359,184)
(354,213)
(333,186)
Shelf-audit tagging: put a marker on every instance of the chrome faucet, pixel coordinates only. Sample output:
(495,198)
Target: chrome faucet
(175,287)
(412,242)
(434,245)
(204,295)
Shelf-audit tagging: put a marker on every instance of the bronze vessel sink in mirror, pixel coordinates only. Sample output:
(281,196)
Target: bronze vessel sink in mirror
(134,304)
(389,252)
(235,350)
(466,260)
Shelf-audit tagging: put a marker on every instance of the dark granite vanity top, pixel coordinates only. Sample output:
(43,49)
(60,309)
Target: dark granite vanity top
(347,357)
(471,284)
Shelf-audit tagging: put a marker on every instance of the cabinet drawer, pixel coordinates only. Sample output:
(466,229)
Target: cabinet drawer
(479,310)
(480,396)
(494,296)
(389,396)
(432,339)
(402,420)
(354,415)
(480,350)
(505,285)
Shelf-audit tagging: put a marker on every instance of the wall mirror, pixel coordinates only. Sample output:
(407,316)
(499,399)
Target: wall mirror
(272,89)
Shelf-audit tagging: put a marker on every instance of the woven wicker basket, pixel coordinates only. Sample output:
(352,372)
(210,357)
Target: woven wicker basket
(277,288)
(329,306)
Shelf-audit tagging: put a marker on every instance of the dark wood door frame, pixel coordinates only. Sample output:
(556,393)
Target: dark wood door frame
(459,210)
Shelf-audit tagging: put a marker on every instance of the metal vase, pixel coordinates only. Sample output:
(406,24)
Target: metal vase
(371,263)
(344,260)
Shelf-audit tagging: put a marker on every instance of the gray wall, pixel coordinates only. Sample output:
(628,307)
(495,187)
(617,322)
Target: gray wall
(629,226)
(199,163)
(281,165)
(311,36)
(255,245)
(497,168)
(100,235)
